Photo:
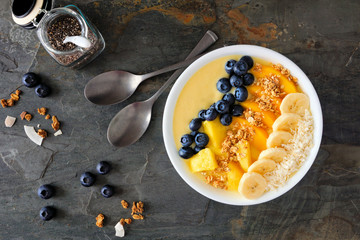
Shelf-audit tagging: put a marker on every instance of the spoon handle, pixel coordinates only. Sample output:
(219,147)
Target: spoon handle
(207,40)
(182,64)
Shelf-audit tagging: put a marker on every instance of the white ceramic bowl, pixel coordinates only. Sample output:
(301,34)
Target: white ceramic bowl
(229,197)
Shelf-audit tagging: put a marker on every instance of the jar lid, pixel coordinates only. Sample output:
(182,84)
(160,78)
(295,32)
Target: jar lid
(28,13)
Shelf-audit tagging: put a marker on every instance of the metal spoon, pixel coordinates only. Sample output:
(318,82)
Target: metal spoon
(131,122)
(116,86)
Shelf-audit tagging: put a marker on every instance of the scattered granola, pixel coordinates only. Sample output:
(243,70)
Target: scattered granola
(18,92)
(15,97)
(47,116)
(285,72)
(3,103)
(128,221)
(28,117)
(100,220)
(22,115)
(138,217)
(124,204)
(42,133)
(42,111)
(10,102)
(137,207)
(55,124)
(122,221)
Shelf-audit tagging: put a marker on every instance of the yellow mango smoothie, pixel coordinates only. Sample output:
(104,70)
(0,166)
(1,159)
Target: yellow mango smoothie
(243,133)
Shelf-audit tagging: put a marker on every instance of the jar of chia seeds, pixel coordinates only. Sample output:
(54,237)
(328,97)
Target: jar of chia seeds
(54,25)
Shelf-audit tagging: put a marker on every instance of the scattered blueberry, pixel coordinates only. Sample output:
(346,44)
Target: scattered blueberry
(223,85)
(248,79)
(47,213)
(229,66)
(222,106)
(201,140)
(195,124)
(42,90)
(186,152)
(107,191)
(241,94)
(193,134)
(236,81)
(103,167)
(87,179)
(210,114)
(249,61)
(46,191)
(198,149)
(236,110)
(229,97)
(226,119)
(240,68)
(201,114)
(30,79)
(186,140)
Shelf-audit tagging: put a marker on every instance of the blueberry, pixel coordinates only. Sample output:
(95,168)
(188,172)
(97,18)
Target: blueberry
(248,79)
(249,61)
(103,167)
(226,119)
(186,152)
(87,179)
(236,81)
(195,124)
(223,85)
(229,97)
(212,106)
(236,110)
(241,94)
(210,114)
(47,213)
(46,191)
(42,90)
(186,140)
(198,149)
(201,139)
(107,191)
(30,79)
(201,114)
(240,68)
(222,106)
(229,66)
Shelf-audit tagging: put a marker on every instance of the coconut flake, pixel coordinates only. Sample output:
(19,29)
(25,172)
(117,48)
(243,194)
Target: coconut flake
(32,134)
(57,133)
(9,121)
(119,230)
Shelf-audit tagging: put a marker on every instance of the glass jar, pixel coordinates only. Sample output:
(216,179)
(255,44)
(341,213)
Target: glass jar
(53,25)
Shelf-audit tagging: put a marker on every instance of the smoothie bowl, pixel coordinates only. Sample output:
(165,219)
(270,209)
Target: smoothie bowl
(242,125)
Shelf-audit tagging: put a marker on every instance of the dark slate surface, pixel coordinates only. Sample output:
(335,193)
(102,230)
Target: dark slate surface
(322,37)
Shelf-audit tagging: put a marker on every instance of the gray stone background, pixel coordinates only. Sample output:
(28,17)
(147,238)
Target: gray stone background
(321,37)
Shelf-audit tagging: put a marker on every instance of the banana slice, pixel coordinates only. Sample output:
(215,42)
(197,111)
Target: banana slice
(252,185)
(286,122)
(262,166)
(277,138)
(295,103)
(275,154)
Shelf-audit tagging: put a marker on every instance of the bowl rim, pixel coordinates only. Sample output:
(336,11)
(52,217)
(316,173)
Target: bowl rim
(220,195)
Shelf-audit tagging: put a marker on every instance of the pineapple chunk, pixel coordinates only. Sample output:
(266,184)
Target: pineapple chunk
(216,132)
(203,161)
(244,154)
(234,175)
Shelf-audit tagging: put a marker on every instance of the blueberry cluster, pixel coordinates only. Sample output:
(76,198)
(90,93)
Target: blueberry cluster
(225,108)
(87,179)
(31,80)
(45,192)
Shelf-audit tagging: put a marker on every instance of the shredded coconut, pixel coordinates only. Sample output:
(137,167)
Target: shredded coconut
(298,149)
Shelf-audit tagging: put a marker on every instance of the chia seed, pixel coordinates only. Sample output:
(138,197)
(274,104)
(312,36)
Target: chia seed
(60,29)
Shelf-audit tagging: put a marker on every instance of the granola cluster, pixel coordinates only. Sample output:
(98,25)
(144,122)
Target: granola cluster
(266,103)
(100,220)
(42,133)
(55,124)
(271,85)
(217,178)
(285,72)
(124,203)
(254,118)
(14,97)
(137,209)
